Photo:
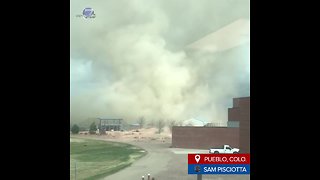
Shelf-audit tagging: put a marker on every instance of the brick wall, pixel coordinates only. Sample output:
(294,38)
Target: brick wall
(241,112)
(207,137)
(204,137)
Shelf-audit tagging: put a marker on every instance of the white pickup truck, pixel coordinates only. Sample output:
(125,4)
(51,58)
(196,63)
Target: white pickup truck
(225,150)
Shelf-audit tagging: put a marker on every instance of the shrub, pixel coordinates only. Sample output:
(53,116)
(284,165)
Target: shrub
(75,129)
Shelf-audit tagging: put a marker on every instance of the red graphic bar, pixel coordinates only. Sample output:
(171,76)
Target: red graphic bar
(218,158)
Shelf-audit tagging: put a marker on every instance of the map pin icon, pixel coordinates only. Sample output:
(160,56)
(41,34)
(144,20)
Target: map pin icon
(197,158)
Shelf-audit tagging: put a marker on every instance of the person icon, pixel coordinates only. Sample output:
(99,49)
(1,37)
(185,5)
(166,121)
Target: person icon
(197,168)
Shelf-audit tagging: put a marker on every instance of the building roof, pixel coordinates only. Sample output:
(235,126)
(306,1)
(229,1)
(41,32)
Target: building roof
(248,97)
(135,124)
(229,36)
(193,122)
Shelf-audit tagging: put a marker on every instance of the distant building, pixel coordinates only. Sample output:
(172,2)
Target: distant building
(233,124)
(236,134)
(110,124)
(134,126)
(193,122)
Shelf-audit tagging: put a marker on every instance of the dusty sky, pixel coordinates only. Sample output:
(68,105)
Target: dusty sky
(131,60)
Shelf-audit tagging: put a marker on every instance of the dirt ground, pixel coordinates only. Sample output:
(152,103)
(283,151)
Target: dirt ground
(145,135)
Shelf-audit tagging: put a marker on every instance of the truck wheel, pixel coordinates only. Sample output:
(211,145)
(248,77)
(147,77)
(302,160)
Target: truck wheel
(235,153)
(216,152)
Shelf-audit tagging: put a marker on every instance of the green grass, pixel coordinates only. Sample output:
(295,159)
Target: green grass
(96,159)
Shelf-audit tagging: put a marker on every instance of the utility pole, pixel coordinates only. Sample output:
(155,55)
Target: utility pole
(199,176)
(75,170)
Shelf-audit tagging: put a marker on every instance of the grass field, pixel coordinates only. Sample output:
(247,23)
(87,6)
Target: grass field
(94,159)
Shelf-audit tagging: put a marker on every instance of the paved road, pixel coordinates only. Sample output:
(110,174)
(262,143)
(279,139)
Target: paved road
(154,162)
(165,163)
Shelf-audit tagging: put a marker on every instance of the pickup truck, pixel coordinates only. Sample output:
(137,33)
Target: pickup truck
(225,150)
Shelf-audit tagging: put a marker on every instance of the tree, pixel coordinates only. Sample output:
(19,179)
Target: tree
(142,121)
(179,123)
(172,123)
(75,129)
(160,125)
(93,128)
(151,123)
